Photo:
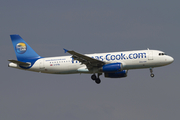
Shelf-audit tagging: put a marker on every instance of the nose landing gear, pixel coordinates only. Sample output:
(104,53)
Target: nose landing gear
(151,71)
(96,78)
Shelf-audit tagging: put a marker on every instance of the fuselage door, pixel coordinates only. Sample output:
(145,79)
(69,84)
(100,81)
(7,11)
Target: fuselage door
(150,55)
(41,64)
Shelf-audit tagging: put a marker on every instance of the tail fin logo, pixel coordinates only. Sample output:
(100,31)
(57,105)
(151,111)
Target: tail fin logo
(21,48)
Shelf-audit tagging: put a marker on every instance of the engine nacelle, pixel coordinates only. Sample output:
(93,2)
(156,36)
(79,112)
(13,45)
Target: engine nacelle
(112,67)
(116,74)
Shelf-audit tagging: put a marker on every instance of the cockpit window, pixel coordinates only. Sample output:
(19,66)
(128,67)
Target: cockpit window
(161,54)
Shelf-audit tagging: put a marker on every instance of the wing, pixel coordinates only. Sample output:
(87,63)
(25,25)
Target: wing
(88,61)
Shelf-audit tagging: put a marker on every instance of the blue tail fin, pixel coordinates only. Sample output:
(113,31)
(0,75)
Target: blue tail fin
(23,51)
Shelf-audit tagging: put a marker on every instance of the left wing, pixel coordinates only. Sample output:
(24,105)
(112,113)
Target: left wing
(88,61)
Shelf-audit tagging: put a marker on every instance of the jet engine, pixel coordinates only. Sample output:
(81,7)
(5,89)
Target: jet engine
(116,74)
(112,67)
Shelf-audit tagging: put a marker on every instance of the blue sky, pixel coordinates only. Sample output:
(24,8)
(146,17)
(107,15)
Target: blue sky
(90,27)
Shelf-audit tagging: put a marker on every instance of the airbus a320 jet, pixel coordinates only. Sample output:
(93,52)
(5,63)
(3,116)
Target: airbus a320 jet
(112,64)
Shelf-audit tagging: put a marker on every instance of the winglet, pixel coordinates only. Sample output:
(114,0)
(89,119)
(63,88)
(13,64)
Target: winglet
(65,50)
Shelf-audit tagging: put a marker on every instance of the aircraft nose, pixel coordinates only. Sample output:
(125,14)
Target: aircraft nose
(170,59)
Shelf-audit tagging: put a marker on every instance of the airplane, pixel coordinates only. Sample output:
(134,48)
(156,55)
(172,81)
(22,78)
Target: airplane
(112,64)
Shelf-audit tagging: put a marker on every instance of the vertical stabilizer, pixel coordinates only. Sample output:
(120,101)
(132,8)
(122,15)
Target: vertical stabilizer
(23,51)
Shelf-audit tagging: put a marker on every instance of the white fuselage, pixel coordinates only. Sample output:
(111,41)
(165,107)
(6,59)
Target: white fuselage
(129,59)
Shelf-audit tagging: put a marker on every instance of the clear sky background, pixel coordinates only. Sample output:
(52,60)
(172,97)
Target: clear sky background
(91,26)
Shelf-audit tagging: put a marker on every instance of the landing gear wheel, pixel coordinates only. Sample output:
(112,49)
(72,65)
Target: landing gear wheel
(98,81)
(152,75)
(151,71)
(96,78)
(93,77)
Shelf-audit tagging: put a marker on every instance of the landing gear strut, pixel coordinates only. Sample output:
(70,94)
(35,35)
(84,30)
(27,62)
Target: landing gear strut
(96,78)
(151,71)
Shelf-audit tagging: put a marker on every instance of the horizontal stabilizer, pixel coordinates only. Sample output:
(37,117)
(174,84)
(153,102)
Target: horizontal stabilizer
(20,63)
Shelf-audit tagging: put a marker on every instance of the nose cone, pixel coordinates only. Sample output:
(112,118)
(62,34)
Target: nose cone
(170,59)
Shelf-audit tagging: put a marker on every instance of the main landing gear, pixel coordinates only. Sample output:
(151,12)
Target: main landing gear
(96,78)
(151,71)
